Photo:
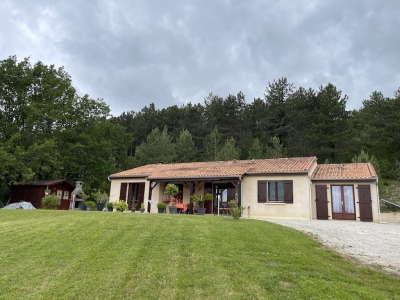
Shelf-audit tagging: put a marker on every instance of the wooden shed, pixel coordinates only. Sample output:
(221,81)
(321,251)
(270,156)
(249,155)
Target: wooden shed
(34,191)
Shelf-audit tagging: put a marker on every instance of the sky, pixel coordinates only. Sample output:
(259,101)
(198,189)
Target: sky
(132,53)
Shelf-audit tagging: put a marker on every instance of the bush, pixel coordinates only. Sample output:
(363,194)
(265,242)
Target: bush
(110,204)
(162,205)
(90,204)
(236,211)
(50,202)
(120,205)
(99,196)
(171,189)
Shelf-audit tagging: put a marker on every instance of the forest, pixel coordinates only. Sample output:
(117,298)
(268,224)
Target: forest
(48,131)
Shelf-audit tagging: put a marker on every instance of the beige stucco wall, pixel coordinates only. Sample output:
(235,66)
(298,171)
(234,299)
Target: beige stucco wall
(390,217)
(375,205)
(300,209)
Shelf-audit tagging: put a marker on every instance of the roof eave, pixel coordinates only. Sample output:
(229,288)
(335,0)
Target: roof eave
(199,178)
(127,176)
(277,173)
(345,179)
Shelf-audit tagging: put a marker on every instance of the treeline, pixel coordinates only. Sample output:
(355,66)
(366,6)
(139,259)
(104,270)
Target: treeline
(47,131)
(286,121)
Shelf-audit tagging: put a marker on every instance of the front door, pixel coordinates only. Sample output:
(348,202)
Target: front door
(343,206)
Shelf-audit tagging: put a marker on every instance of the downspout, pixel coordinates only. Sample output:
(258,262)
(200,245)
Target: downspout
(310,202)
(378,202)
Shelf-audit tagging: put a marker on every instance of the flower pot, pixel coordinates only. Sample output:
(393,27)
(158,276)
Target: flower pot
(172,209)
(89,208)
(161,210)
(100,206)
(82,206)
(142,210)
(201,211)
(110,208)
(133,209)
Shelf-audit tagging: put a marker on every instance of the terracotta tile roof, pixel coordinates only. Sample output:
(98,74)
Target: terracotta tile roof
(231,168)
(344,171)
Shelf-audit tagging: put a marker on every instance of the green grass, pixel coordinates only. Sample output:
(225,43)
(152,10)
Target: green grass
(93,255)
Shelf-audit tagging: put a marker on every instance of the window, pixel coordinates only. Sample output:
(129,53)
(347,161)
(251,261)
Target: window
(66,195)
(275,191)
(59,194)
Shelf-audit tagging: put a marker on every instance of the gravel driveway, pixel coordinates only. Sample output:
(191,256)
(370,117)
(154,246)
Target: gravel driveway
(371,243)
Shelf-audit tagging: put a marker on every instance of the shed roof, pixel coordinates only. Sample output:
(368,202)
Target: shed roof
(48,182)
(221,169)
(345,171)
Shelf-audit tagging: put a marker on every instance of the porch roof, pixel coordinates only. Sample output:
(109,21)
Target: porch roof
(344,171)
(220,169)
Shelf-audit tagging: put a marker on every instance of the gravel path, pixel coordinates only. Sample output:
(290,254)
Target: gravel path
(371,243)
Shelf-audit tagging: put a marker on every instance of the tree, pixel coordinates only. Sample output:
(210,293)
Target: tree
(185,148)
(157,148)
(212,144)
(255,151)
(363,157)
(228,151)
(330,133)
(276,95)
(276,150)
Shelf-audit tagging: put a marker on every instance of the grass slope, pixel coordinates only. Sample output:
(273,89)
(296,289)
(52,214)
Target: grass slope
(93,255)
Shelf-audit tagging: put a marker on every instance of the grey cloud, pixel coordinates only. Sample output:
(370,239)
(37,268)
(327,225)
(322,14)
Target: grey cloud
(132,53)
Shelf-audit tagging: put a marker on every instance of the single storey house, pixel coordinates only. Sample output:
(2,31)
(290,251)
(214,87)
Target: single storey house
(295,188)
(33,192)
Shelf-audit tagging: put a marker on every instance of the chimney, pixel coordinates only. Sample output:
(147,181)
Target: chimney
(78,188)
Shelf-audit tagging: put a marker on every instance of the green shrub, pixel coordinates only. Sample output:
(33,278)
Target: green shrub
(162,205)
(171,189)
(236,211)
(120,205)
(50,202)
(142,206)
(90,204)
(110,204)
(99,196)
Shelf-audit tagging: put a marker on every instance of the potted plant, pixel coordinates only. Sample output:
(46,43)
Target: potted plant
(120,206)
(200,201)
(110,206)
(142,208)
(161,207)
(172,190)
(100,198)
(90,205)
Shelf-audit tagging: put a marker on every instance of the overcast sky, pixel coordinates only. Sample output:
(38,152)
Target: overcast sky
(132,53)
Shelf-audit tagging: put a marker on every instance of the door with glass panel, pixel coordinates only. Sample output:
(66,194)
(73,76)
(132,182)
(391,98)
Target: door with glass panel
(343,206)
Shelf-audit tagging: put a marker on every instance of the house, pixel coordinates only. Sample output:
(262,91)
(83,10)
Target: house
(296,188)
(34,191)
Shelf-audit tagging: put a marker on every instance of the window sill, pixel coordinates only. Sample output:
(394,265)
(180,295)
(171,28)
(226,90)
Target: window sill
(275,203)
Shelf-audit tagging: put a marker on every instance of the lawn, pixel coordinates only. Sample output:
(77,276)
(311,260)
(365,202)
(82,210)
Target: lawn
(96,255)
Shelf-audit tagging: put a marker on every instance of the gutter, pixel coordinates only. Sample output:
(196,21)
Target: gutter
(379,201)
(127,176)
(310,202)
(216,178)
(344,179)
(276,173)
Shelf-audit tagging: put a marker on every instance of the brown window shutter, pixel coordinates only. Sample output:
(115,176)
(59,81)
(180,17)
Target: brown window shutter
(288,191)
(122,191)
(321,202)
(365,203)
(262,191)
